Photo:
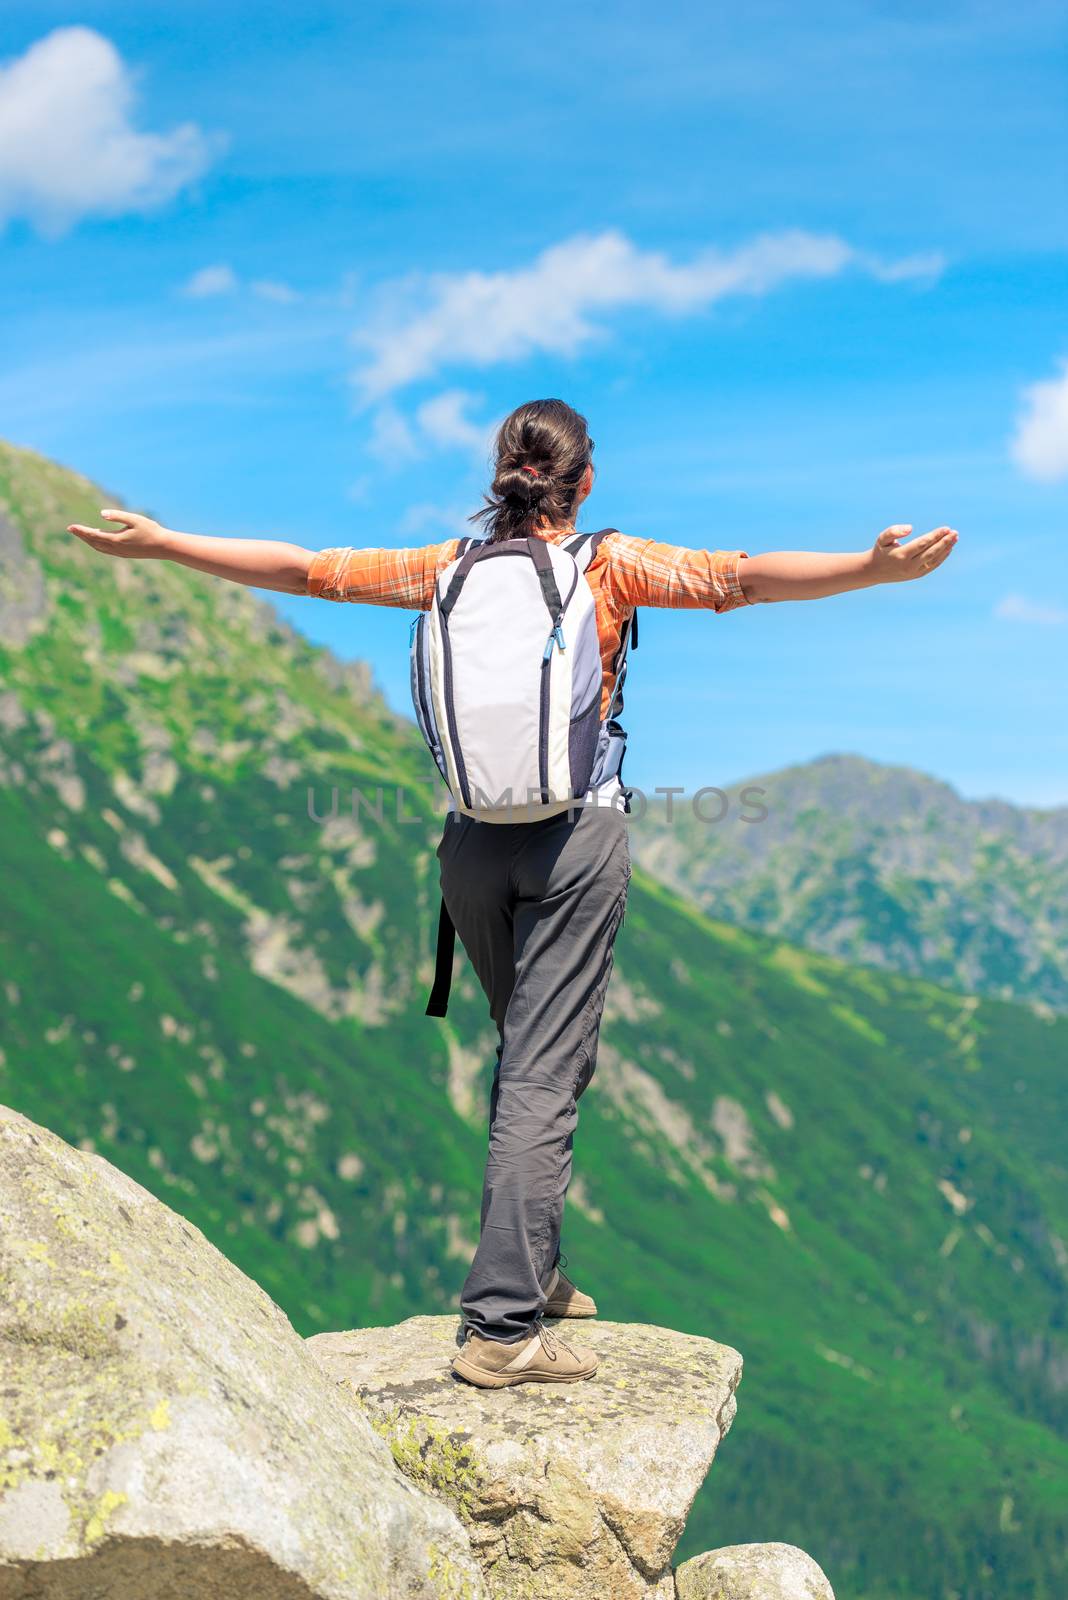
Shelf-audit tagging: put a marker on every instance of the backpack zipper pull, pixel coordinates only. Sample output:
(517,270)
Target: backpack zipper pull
(411,632)
(556,636)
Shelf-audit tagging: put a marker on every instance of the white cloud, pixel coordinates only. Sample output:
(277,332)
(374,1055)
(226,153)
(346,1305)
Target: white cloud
(280,293)
(1040,444)
(222,279)
(443,421)
(392,438)
(209,281)
(359,490)
(1015,608)
(427,521)
(440,423)
(68,145)
(926,266)
(481,318)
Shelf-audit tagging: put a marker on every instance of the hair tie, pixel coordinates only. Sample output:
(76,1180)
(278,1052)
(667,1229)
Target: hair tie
(534,473)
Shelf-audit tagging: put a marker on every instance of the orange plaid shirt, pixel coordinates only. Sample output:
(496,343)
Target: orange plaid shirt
(626,572)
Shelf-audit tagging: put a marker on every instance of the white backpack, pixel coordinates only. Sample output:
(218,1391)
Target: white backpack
(506,678)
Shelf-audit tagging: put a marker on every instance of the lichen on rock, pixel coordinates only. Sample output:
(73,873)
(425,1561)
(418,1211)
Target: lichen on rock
(568,1492)
(165,1434)
(163,1429)
(752,1572)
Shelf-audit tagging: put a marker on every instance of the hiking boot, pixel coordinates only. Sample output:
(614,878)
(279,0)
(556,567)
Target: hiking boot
(564,1300)
(543,1358)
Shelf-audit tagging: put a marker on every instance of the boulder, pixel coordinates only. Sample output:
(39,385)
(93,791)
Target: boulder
(164,1432)
(752,1572)
(568,1492)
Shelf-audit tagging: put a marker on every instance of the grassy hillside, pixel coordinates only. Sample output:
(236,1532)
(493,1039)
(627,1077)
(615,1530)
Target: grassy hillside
(856,1179)
(884,866)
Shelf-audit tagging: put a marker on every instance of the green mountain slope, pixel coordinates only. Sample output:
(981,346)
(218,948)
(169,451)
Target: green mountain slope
(855,1178)
(883,866)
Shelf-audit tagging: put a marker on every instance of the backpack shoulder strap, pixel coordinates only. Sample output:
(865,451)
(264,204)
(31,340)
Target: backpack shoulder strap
(464,546)
(467,553)
(583,546)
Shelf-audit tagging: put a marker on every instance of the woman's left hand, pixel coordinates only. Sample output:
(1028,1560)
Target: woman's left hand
(895,562)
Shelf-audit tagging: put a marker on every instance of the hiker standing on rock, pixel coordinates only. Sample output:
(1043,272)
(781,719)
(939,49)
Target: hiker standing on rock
(518,658)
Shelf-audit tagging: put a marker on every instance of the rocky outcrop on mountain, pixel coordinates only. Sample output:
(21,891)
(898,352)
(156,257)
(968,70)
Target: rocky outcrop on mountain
(568,1492)
(752,1572)
(164,1432)
(23,602)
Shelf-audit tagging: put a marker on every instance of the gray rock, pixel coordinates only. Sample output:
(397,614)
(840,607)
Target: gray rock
(23,599)
(569,1492)
(164,1433)
(752,1572)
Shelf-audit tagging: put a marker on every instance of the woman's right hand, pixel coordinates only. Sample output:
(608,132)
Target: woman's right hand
(138,537)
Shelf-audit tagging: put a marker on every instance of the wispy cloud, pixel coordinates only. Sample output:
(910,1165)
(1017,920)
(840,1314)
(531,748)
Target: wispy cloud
(440,423)
(1015,608)
(1040,444)
(281,294)
(427,521)
(443,421)
(560,301)
(210,281)
(392,436)
(68,144)
(221,278)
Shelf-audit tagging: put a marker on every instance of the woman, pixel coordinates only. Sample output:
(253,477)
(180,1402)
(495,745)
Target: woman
(537,903)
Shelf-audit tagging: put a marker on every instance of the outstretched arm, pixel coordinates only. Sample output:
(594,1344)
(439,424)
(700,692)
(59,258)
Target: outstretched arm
(260,563)
(383,577)
(812,575)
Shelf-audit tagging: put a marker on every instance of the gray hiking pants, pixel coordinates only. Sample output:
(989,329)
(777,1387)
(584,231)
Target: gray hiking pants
(537,906)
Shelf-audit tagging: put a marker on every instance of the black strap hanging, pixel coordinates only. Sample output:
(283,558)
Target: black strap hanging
(438,1004)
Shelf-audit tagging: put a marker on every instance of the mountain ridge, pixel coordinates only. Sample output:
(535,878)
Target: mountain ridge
(884,866)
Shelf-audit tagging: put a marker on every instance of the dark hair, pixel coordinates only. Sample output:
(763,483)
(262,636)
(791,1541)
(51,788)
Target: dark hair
(543,450)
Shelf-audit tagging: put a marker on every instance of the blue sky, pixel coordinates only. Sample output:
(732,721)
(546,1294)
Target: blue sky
(275,271)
